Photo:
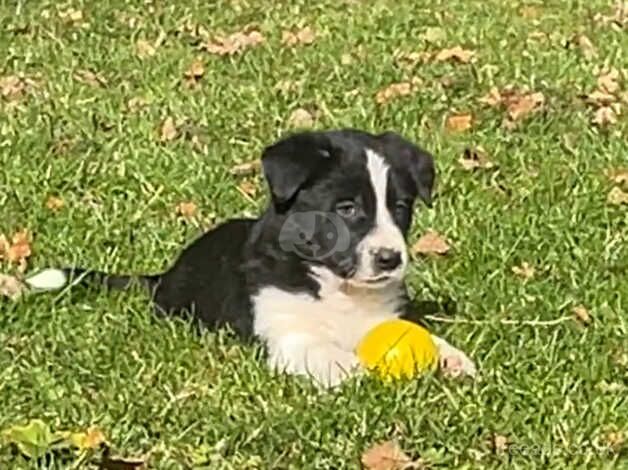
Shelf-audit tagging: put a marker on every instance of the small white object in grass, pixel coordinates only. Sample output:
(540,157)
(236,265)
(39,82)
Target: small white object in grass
(48,279)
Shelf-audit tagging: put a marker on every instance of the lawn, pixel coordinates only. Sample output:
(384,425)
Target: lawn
(120,126)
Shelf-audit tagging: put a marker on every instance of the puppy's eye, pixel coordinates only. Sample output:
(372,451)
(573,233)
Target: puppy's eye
(346,209)
(402,206)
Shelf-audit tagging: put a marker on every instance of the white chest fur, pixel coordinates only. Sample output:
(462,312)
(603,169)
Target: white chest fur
(341,315)
(317,336)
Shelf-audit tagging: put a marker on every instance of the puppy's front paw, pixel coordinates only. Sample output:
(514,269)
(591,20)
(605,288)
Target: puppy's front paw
(453,362)
(326,363)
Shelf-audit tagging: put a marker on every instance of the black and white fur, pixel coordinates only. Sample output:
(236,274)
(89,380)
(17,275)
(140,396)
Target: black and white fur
(295,285)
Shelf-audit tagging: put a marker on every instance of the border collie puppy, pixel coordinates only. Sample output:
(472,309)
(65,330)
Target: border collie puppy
(318,269)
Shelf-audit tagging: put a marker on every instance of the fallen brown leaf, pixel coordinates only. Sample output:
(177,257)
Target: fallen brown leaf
(619,17)
(186,210)
(524,271)
(617,197)
(90,78)
(608,81)
(395,90)
(234,43)
(301,118)
(144,49)
(475,158)
(582,314)
(194,72)
(302,36)
(246,168)
(600,98)
(618,176)
(54,203)
(168,130)
(459,122)
(11,287)
(431,243)
(385,456)
(606,115)
(455,54)
(19,249)
(13,87)
(523,105)
(248,189)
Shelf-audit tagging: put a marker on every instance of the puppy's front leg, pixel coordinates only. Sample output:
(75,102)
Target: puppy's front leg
(452,360)
(303,354)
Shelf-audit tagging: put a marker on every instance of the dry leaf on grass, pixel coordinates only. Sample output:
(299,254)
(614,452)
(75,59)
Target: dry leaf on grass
(144,49)
(246,168)
(300,118)
(186,210)
(455,54)
(90,78)
(524,270)
(475,158)
(302,36)
(523,105)
(234,43)
(459,122)
(248,189)
(608,81)
(18,249)
(582,314)
(617,197)
(11,287)
(606,115)
(13,87)
(54,203)
(386,456)
(395,90)
(194,73)
(430,243)
(618,18)
(618,176)
(600,98)
(168,130)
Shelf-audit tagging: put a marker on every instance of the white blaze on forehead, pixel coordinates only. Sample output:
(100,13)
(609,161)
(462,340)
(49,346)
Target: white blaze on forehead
(378,173)
(385,233)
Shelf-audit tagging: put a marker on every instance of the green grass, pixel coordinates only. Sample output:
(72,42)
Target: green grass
(83,358)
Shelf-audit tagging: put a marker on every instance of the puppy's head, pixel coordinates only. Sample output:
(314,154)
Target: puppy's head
(344,200)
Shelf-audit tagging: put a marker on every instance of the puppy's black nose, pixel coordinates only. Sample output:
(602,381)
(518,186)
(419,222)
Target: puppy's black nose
(387,259)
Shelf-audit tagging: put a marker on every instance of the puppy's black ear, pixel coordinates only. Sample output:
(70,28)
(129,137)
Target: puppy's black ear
(418,163)
(294,161)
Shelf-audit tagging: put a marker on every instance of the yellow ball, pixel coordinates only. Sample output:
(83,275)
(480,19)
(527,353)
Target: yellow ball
(398,349)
